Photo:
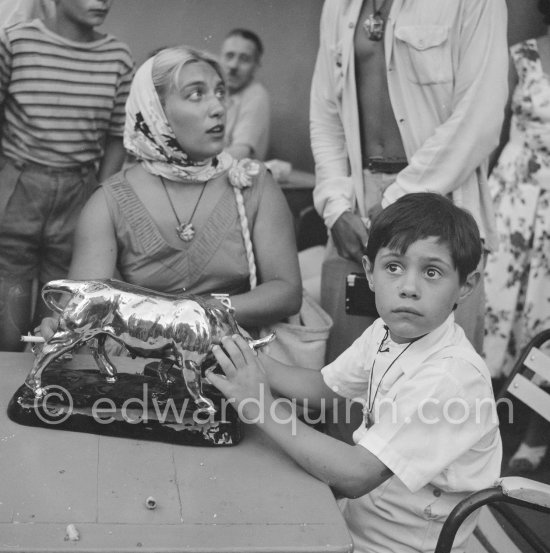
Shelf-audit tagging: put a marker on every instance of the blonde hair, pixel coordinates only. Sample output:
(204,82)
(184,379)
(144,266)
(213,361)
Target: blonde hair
(168,64)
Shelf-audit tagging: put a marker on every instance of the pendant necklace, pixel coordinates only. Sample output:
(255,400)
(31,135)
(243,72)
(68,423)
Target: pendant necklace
(185,231)
(374,24)
(369,416)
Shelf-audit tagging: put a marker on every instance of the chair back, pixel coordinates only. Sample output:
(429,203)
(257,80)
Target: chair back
(499,528)
(529,380)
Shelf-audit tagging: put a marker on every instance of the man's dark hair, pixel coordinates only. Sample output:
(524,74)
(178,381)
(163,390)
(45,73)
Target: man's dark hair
(249,35)
(544,8)
(422,215)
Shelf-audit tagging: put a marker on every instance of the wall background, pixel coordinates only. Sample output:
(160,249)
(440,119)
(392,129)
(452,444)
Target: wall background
(290,32)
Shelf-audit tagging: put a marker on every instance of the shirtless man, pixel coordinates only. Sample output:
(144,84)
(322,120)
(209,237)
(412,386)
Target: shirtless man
(407,96)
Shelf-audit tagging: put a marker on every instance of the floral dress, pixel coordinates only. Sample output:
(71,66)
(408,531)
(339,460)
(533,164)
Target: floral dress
(518,272)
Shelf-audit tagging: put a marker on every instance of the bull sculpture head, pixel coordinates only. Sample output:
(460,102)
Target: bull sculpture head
(181,328)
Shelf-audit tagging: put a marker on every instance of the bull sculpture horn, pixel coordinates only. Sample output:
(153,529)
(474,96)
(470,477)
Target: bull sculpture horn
(261,342)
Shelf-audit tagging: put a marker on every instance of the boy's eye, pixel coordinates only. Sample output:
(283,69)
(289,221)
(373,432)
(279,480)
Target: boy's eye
(394,268)
(220,93)
(433,273)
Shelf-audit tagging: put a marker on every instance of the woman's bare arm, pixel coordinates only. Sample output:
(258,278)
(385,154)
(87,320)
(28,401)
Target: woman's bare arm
(279,292)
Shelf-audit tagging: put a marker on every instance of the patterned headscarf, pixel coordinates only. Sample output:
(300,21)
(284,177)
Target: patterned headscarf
(149,137)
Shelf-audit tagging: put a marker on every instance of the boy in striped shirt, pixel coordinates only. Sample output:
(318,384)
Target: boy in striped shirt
(63,87)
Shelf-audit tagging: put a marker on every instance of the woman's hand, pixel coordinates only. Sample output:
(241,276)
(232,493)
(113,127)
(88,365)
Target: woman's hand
(47,327)
(245,379)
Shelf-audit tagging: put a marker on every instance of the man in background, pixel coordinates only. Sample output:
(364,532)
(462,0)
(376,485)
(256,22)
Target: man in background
(248,109)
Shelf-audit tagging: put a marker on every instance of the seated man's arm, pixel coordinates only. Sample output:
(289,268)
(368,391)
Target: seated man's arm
(250,134)
(240,151)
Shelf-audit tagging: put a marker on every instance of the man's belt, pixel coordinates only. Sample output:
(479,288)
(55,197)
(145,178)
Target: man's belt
(388,165)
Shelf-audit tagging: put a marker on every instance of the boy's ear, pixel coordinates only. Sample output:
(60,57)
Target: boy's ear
(367,265)
(468,287)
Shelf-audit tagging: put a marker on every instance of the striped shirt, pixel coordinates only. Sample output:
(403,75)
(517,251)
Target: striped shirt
(61,98)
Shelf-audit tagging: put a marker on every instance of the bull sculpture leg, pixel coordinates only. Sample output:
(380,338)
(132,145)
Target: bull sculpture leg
(102,360)
(160,370)
(193,380)
(61,342)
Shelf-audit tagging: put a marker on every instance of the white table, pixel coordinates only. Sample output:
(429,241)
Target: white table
(246,498)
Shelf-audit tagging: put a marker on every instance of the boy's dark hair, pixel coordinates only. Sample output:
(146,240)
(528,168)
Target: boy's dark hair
(544,8)
(424,214)
(249,35)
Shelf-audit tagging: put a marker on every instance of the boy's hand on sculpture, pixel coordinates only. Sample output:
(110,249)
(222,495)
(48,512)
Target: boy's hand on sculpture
(245,378)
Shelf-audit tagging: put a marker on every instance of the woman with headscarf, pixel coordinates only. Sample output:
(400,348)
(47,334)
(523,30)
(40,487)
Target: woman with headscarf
(171,221)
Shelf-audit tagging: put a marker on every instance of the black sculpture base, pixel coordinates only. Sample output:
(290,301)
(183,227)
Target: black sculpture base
(141,406)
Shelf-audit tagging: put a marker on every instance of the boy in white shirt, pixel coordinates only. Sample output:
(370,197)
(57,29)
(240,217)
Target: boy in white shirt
(430,431)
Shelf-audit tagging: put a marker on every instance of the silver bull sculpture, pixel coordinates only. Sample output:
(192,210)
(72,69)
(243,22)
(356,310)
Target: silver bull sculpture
(181,328)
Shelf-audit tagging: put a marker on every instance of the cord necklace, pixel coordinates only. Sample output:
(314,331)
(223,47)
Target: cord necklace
(369,417)
(185,231)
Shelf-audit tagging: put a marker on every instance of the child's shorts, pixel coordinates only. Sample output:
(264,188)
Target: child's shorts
(39,208)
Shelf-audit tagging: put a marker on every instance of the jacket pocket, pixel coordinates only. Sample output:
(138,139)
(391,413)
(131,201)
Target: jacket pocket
(427,53)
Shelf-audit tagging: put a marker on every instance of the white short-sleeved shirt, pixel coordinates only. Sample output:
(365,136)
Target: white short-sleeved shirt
(435,428)
(248,119)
